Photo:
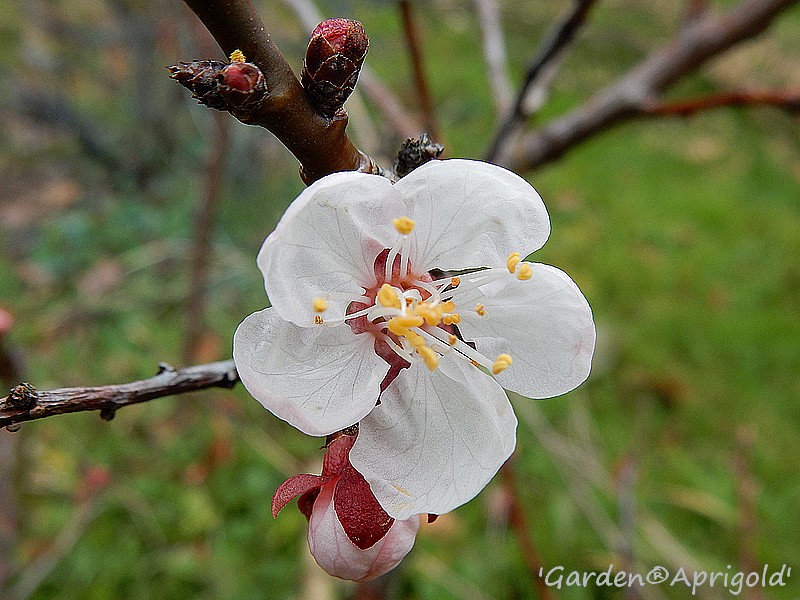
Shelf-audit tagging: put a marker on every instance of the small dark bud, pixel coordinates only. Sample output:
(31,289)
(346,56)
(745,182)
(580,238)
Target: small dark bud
(23,395)
(333,61)
(200,77)
(416,152)
(236,86)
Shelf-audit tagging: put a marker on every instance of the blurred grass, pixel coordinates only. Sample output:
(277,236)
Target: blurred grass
(682,233)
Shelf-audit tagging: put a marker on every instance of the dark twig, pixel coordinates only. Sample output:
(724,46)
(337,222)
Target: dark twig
(320,144)
(630,95)
(201,239)
(414,45)
(494,53)
(519,525)
(787,100)
(25,403)
(549,53)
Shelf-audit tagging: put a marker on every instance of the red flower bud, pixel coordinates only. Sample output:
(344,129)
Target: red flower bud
(242,84)
(334,58)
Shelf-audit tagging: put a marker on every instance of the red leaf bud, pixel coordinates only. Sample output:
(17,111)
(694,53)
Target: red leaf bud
(333,61)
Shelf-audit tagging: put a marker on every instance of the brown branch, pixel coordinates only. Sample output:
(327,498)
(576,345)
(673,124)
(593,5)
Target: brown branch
(787,100)
(548,55)
(519,524)
(413,43)
(321,145)
(25,403)
(630,95)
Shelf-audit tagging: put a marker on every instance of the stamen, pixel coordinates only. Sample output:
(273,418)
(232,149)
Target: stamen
(388,296)
(501,364)
(452,340)
(318,320)
(468,351)
(429,356)
(513,261)
(320,305)
(525,272)
(455,281)
(480,309)
(400,325)
(404,225)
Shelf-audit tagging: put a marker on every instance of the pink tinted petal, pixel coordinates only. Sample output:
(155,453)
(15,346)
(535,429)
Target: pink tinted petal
(327,242)
(335,553)
(545,324)
(436,438)
(319,380)
(294,486)
(471,214)
(362,518)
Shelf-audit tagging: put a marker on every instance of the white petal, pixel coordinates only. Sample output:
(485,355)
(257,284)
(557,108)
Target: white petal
(335,553)
(545,324)
(471,214)
(327,241)
(319,380)
(436,438)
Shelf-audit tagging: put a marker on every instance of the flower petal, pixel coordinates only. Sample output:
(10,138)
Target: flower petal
(470,214)
(327,241)
(436,438)
(545,324)
(335,553)
(320,380)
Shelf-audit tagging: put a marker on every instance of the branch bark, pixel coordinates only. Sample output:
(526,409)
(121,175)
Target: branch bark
(632,94)
(27,404)
(321,145)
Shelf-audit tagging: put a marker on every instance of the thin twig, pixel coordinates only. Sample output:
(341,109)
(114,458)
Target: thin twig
(787,100)
(202,236)
(494,52)
(519,524)
(541,70)
(321,145)
(634,92)
(414,45)
(28,404)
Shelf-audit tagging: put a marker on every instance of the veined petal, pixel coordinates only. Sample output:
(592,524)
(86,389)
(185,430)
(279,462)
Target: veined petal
(327,241)
(436,438)
(335,553)
(471,214)
(319,380)
(545,324)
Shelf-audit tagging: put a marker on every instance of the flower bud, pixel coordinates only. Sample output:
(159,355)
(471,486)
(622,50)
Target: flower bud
(242,84)
(332,549)
(334,58)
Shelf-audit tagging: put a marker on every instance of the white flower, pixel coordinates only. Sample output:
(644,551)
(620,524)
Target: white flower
(367,278)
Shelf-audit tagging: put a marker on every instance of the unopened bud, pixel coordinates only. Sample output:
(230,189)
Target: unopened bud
(333,61)
(242,84)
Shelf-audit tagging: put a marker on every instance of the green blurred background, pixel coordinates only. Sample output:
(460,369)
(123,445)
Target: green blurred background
(683,233)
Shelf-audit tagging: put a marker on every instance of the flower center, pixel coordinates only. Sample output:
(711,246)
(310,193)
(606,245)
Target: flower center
(416,316)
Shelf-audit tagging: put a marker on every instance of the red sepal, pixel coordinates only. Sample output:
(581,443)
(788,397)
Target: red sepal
(363,519)
(294,486)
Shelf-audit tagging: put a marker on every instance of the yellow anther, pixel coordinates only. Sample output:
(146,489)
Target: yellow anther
(524,272)
(453,319)
(480,309)
(448,306)
(415,339)
(501,364)
(429,356)
(237,56)
(409,301)
(404,225)
(455,281)
(432,314)
(320,305)
(318,320)
(400,325)
(452,340)
(387,296)
(513,261)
